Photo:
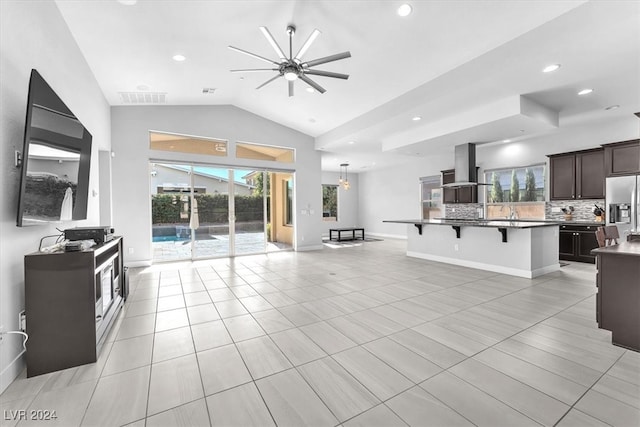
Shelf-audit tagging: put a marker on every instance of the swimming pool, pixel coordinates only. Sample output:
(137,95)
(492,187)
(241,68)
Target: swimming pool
(170,239)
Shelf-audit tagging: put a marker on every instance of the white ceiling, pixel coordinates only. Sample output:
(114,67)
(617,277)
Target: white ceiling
(460,65)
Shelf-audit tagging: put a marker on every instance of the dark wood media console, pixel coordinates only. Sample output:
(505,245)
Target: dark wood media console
(71,302)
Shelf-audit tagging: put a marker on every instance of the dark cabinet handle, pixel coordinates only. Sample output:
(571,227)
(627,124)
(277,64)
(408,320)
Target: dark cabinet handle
(98,318)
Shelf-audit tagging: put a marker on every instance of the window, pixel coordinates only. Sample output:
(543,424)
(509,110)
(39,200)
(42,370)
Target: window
(431,197)
(518,191)
(246,150)
(187,144)
(329,202)
(288,204)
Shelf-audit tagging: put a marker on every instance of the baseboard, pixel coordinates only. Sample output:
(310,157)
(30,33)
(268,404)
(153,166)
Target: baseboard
(309,248)
(142,263)
(11,372)
(487,267)
(389,236)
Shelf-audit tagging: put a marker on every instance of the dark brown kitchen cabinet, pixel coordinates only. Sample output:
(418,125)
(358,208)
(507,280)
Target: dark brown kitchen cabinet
(576,243)
(577,175)
(622,158)
(467,194)
(618,269)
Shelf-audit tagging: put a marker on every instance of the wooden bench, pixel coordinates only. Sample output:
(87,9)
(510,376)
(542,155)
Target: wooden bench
(351,230)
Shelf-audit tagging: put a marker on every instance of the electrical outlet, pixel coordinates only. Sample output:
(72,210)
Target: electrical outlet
(556,210)
(130,251)
(456,247)
(1,333)
(22,321)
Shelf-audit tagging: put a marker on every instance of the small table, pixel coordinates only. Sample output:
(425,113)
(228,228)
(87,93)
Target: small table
(339,231)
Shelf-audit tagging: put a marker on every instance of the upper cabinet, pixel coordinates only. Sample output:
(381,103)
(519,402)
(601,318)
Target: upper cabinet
(577,175)
(622,158)
(467,194)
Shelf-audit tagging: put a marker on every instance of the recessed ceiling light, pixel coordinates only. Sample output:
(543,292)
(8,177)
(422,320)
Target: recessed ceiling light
(506,141)
(312,120)
(405,10)
(550,68)
(128,2)
(416,118)
(351,142)
(142,87)
(585,91)
(310,90)
(179,58)
(612,107)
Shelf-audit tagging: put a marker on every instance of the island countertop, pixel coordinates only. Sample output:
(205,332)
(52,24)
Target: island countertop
(624,248)
(477,222)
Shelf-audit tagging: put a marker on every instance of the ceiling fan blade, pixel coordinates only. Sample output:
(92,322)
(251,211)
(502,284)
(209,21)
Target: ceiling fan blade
(290,87)
(273,43)
(311,83)
(326,59)
(250,70)
(326,74)
(253,55)
(307,44)
(269,81)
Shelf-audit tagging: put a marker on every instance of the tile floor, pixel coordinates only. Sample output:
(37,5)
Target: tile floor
(355,336)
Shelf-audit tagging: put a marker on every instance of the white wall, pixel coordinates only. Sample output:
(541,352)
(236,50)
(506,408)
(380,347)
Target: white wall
(393,193)
(34,35)
(130,133)
(348,210)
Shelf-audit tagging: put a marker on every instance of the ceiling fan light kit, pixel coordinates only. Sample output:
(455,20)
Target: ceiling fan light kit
(292,67)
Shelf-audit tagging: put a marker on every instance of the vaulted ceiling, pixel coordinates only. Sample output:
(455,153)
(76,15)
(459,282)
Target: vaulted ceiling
(470,69)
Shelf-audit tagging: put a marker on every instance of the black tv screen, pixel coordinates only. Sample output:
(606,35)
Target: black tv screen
(56,158)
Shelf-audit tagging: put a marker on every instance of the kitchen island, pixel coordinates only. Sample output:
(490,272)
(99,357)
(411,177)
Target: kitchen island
(618,298)
(518,248)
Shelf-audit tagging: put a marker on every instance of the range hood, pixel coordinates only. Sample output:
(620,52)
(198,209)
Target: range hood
(465,166)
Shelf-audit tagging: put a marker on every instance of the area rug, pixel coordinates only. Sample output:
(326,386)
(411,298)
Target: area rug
(347,243)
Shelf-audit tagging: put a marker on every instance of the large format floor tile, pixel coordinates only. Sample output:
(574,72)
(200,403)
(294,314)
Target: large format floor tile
(355,335)
(239,406)
(292,402)
(174,383)
(340,391)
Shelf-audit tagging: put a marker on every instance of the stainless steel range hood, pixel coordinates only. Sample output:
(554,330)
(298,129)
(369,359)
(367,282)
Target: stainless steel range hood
(465,166)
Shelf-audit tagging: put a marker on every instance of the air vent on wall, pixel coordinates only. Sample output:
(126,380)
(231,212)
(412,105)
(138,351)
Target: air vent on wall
(208,90)
(143,97)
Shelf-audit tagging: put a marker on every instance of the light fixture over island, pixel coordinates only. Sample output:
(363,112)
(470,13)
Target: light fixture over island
(519,248)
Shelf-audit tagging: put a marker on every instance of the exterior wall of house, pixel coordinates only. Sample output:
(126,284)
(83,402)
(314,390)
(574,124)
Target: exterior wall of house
(33,35)
(165,176)
(280,232)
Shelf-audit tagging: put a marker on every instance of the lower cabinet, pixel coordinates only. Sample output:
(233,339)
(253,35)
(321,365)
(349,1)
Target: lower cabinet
(71,301)
(576,243)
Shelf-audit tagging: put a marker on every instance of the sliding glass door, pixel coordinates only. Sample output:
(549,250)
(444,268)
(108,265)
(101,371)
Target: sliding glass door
(249,212)
(212,228)
(201,211)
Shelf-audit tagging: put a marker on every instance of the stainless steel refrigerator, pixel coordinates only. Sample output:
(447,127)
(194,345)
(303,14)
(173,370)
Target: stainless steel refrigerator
(623,204)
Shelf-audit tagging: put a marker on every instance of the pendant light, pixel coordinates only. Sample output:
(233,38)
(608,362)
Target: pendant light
(344,182)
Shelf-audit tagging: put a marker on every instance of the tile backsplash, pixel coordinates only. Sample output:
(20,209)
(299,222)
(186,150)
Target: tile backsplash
(462,210)
(583,209)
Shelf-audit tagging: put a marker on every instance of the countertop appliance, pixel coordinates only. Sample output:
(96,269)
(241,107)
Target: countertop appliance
(623,204)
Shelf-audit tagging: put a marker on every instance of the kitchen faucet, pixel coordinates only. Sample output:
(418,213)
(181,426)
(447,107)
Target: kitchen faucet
(512,212)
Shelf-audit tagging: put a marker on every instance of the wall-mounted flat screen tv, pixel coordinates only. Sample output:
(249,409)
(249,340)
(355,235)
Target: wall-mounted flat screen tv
(54,185)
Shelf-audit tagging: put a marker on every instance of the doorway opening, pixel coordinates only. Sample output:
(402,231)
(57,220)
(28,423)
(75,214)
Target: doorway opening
(207,211)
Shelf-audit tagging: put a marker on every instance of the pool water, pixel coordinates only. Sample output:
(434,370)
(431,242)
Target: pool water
(170,239)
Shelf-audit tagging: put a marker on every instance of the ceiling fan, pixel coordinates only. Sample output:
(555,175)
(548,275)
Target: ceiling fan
(292,67)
